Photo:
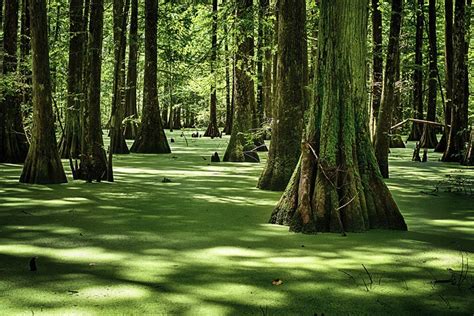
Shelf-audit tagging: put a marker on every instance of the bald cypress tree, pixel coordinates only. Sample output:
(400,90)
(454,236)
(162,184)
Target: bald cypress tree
(42,165)
(337,185)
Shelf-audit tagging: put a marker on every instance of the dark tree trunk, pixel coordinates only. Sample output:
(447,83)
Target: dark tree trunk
(70,145)
(292,76)
(275,60)
(261,50)
(13,142)
(377,68)
(131,94)
(428,138)
(228,102)
(94,161)
(25,51)
(337,186)
(458,134)
(212,129)
(417,129)
(151,138)
(177,118)
(164,117)
(240,147)
(389,98)
(42,165)
(85,89)
(267,62)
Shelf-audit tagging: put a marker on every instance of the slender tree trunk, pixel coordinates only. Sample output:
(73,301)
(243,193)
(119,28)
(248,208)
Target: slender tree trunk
(275,60)
(228,102)
(292,76)
(384,121)
(177,118)
(212,129)
(417,130)
(261,49)
(459,133)
(267,61)
(131,94)
(94,159)
(241,148)
(428,138)
(82,173)
(25,52)
(337,186)
(42,165)
(70,145)
(377,70)
(151,138)
(13,142)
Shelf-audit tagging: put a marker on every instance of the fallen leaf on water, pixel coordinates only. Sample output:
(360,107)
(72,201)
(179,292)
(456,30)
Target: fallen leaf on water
(277,282)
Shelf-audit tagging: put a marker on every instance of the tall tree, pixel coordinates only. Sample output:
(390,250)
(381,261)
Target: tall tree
(267,59)
(377,62)
(428,138)
(417,130)
(458,134)
(94,159)
(213,129)
(241,147)
(389,97)
(42,165)
(228,89)
(117,139)
(131,94)
(151,138)
(337,185)
(13,142)
(292,76)
(70,145)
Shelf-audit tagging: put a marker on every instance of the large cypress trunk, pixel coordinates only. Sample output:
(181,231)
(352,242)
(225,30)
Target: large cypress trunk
(93,160)
(241,147)
(117,138)
(337,186)
(212,128)
(151,138)
(70,145)
(131,94)
(377,63)
(13,141)
(292,76)
(458,134)
(42,165)
(417,130)
(389,97)
(428,138)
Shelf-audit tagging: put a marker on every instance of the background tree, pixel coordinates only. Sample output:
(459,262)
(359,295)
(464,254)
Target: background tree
(338,186)
(151,137)
(292,76)
(131,89)
(13,142)
(241,147)
(377,62)
(389,98)
(43,164)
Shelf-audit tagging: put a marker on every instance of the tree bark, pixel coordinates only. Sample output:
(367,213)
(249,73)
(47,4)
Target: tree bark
(417,129)
(267,62)
(151,138)
(292,76)
(228,90)
(13,141)
(241,147)
(458,133)
(389,98)
(42,165)
(337,186)
(377,63)
(212,129)
(131,92)
(428,138)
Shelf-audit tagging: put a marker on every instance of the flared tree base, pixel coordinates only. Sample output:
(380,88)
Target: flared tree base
(397,142)
(212,131)
(41,168)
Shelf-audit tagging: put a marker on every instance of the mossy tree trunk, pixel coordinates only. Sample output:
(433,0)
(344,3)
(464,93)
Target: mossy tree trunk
(458,134)
(151,138)
(241,147)
(131,90)
(70,145)
(212,128)
(389,97)
(377,63)
(267,60)
(417,129)
(428,138)
(93,160)
(13,141)
(292,76)
(337,186)
(43,164)
(117,138)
